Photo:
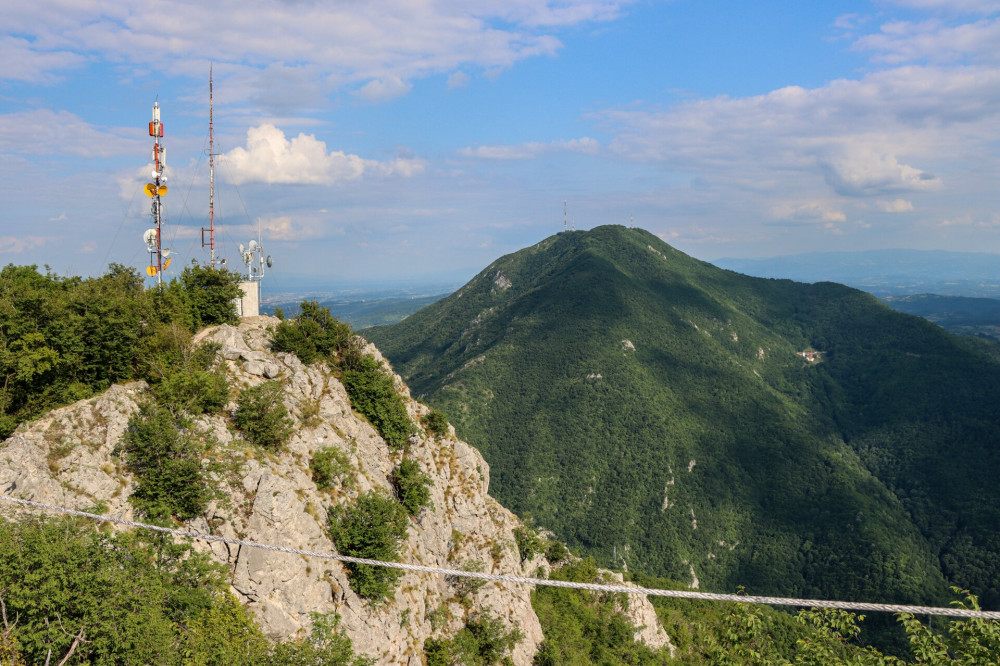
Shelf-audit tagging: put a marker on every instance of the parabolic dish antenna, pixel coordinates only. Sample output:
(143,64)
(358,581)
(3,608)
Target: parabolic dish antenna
(149,238)
(268,261)
(253,246)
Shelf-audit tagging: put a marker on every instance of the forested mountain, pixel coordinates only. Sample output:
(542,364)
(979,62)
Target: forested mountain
(958,314)
(658,412)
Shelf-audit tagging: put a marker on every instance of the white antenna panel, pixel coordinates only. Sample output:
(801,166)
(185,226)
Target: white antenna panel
(149,238)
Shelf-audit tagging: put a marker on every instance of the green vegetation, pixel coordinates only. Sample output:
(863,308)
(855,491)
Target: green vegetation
(262,417)
(651,409)
(373,527)
(436,423)
(373,394)
(165,458)
(331,466)
(315,335)
(66,338)
(483,641)
(68,591)
(586,628)
(412,486)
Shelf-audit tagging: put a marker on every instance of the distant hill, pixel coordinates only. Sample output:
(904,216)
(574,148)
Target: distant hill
(362,313)
(885,272)
(958,314)
(656,411)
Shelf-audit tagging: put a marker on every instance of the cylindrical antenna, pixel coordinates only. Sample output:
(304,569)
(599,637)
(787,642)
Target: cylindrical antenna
(564,215)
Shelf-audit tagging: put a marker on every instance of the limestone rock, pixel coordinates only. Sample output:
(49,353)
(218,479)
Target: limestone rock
(66,458)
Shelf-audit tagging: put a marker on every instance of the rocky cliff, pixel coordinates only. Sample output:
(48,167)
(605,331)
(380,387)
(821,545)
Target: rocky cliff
(66,458)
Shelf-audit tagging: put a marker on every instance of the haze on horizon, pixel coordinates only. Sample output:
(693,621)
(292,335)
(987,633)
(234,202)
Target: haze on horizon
(412,140)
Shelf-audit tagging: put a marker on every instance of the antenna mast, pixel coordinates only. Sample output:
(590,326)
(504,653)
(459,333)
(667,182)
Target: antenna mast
(211,174)
(155,190)
(564,215)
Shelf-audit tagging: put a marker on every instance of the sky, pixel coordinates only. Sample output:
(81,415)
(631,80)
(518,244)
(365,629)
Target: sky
(419,140)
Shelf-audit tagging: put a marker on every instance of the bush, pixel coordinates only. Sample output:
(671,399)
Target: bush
(482,642)
(189,379)
(312,335)
(528,542)
(166,464)
(373,395)
(373,527)
(262,417)
(412,486)
(330,465)
(210,294)
(436,423)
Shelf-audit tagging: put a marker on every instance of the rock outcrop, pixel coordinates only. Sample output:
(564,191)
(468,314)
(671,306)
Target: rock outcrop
(66,459)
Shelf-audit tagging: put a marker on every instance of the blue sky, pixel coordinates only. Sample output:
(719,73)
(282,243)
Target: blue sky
(411,141)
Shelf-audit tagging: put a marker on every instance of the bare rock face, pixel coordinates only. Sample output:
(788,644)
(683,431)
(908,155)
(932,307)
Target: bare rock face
(65,459)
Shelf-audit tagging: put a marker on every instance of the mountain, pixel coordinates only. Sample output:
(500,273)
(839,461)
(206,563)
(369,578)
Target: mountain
(885,272)
(669,416)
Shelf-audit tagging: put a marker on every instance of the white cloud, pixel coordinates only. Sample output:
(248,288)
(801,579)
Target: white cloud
(380,43)
(270,157)
(46,132)
(810,211)
(17,245)
(384,89)
(857,169)
(530,150)
(934,41)
(458,80)
(894,206)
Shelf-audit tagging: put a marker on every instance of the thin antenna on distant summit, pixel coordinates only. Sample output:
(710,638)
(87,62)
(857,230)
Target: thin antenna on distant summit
(564,215)
(631,221)
(211,174)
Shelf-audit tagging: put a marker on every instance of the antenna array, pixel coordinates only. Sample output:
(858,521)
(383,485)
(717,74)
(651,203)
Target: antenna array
(153,237)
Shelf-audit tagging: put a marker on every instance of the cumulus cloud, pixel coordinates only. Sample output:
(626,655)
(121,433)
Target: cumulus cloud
(530,150)
(271,157)
(859,170)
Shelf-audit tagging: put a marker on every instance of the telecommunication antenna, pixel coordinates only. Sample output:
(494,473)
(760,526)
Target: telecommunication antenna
(154,237)
(631,221)
(564,215)
(211,175)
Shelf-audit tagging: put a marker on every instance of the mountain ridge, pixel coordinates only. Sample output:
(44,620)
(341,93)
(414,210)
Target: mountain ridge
(552,355)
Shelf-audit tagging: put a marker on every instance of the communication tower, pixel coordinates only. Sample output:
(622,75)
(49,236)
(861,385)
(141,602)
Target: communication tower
(211,176)
(564,215)
(159,256)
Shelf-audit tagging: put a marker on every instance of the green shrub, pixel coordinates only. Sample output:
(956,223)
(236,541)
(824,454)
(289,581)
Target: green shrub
(210,294)
(556,552)
(412,486)
(373,395)
(436,423)
(189,379)
(373,527)
(325,645)
(262,417)
(312,335)
(165,461)
(482,642)
(466,586)
(331,465)
(528,542)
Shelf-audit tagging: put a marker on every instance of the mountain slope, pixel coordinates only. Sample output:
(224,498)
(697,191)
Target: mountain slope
(652,409)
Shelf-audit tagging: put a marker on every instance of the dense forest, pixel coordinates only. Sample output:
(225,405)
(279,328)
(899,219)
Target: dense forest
(659,413)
